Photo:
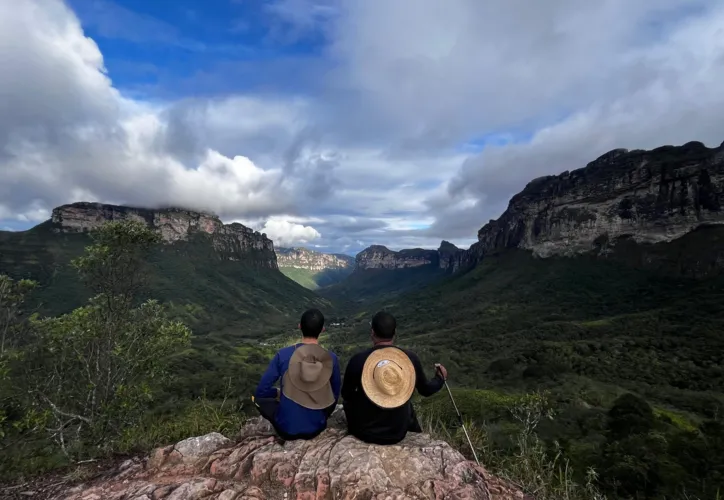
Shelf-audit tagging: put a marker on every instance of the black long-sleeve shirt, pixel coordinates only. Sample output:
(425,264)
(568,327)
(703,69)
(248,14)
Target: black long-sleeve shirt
(369,422)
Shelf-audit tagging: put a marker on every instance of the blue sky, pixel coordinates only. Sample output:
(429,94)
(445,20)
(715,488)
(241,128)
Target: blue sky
(187,48)
(338,124)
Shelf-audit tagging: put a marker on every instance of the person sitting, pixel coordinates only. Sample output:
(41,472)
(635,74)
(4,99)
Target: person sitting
(310,384)
(378,384)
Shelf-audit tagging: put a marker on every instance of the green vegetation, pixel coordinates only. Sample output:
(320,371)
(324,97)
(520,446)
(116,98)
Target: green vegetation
(208,292)
(589,331)
(314,280)
(578,377)
(376,286)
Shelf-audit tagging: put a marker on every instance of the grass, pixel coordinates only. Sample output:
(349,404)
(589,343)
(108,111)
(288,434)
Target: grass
(313,280)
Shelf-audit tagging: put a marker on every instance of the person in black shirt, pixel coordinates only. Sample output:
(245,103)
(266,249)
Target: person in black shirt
(378,384)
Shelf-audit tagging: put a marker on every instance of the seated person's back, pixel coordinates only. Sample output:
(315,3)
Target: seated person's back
(310,384)
(378,384)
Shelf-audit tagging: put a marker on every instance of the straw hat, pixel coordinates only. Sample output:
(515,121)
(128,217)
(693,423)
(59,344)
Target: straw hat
(388,377)
(306,382)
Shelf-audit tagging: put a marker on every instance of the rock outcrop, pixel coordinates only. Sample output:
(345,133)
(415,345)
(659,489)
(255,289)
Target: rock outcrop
(381,257)
(645,196)
(332,466)
(230,241)
(303,258)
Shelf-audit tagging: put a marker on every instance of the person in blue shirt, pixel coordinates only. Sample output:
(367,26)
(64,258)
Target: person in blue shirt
(310,384)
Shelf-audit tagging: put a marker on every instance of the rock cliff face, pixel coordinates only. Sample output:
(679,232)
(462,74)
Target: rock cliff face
(645,196)
(380,257)
(331,466)
(303,258)
(230,241)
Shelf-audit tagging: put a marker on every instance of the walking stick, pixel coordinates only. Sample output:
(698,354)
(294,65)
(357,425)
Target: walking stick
(460,417)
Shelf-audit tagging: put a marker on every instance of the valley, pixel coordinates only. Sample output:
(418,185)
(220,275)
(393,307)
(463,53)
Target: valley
(596,284)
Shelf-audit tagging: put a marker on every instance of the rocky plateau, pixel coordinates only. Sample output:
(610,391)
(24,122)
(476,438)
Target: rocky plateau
(230,241)
(381,257)
(647,196)
(303,258)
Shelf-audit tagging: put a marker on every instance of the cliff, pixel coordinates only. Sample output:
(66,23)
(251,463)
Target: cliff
(647,197)
(303,258)
(381,257)
(234,242)
(333,465)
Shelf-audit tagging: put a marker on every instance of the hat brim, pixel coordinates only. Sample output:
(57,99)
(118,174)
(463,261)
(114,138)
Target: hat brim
(295,367)
(369,387)
(314,395)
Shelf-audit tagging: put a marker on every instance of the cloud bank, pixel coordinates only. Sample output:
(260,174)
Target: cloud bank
(417,122)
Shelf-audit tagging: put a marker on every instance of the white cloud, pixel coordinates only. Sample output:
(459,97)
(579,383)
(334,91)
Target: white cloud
(285,233)
(65,131)
(385,148)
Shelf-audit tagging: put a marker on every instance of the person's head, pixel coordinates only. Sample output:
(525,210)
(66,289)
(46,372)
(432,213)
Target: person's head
(312,323)
(383,326)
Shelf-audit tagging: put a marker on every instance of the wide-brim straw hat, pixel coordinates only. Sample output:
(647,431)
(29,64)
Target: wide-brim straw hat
(307,381)
(388,377)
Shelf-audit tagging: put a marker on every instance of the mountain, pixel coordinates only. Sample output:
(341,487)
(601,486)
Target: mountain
(380,273)
(602,286)
(219,277)
(313,269)
(622,199)
(381,257)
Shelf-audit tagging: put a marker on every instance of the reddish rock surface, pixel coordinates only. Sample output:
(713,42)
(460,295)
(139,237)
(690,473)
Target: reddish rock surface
(332,466)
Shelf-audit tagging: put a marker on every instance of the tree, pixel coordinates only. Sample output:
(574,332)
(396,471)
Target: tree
(92,371)
(12,298)
(12,322)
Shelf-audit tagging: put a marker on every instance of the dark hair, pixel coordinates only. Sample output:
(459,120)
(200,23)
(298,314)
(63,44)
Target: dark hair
(384,325)
(312,323)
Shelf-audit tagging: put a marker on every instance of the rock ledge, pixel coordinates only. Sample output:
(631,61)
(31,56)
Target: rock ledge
(332,466)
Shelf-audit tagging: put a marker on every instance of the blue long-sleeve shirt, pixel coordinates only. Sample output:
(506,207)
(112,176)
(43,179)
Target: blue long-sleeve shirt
(291,417)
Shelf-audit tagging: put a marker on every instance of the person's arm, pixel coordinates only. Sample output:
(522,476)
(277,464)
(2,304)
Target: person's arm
(266,388)
(425,387)
(336,381)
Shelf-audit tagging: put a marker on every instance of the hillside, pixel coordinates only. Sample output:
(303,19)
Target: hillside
(220,278)
(623,197)
(589,308)
(313,269)
(609,325)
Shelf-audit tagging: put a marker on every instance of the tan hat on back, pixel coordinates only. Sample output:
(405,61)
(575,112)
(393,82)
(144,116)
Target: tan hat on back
(388,377)
(307,381)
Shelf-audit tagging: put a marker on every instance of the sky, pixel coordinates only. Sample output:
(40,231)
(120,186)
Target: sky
(338,124)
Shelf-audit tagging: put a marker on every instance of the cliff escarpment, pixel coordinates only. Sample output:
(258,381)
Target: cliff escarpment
(648,197)
(381,257)
(234,242)
(303,258)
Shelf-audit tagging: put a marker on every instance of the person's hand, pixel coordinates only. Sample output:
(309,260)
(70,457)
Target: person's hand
(441,369)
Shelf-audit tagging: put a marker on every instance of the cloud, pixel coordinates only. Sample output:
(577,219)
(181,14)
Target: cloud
(677,104)
(429,76)
(285,233)
(65,131)
(403,124)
